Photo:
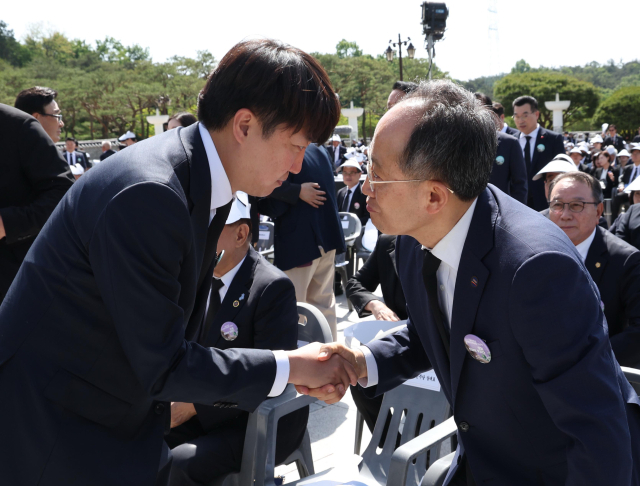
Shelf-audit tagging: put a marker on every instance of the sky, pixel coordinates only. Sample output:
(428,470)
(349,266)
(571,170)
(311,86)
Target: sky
(545,32)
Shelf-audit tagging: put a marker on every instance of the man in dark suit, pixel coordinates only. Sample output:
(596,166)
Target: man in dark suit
(252,305)
(40,102)
(336,152)
(535,389)
(34,179)
(630,173)
(539,146)
(308,233)
(504,128)
(98,327)
(72,156)
(350,198)
(613,264)
(107,151)
(614,139)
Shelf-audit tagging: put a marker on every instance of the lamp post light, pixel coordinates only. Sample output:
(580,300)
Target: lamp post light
(411,51)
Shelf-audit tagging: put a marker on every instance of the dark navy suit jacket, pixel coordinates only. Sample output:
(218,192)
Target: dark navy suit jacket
(95,328)
(299,227)
(547,145)
(509,173)
(552,407)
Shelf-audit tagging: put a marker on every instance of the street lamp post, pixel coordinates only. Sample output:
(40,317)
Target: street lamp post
(411,51)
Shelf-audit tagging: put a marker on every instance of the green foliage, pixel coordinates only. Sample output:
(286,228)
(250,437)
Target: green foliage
(621,108)
(543,86)
(11,50)
(345,48)
(521,66)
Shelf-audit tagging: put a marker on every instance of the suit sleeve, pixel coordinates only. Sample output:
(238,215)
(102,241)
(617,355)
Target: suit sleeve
(136,252)
(626,344)
(519,185)
(49,177)
(573,369)
(361,286)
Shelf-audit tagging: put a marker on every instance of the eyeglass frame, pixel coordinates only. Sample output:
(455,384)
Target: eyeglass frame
(569,204)
(372,183)
(524,116)
(58,116)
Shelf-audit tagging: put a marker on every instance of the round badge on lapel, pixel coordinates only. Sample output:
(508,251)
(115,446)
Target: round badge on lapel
(541,147)
(356,205)
(229,331)
(499,160)
(236,303)
(477,348)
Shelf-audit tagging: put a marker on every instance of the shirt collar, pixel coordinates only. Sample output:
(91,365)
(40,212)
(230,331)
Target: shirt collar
(583,248)
(228,277)
(533,135)
(220,186)
(449,248)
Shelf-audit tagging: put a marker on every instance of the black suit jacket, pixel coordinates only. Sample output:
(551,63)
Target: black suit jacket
(331,153)
(625,176)
(627,226)
(96,328)
(513,132)
(379,269)
(609,185)
(299,227)
(616,141)
(547,145)
(615,268)
(106,154)
(81,158)
(358,204)
(509,173)
(33,179)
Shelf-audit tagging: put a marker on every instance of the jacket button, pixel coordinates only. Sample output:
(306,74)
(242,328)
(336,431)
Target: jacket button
(160,408)
(464,426)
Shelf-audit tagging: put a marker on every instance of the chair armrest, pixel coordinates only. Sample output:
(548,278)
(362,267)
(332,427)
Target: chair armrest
(404,455)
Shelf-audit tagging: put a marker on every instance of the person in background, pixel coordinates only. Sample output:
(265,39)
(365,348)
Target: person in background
(623,158)
(107,151)
(596,146)
(350,198)
(40,102)
(627,174)
(606,174)
(86,155)
(504,128)
(577,155)
(636,139)
(614,265)
(336,152)
(128,139)
(72,156)
(181,119)
(613,139)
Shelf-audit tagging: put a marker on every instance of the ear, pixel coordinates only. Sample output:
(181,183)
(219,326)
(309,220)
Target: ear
(436,197)
(242,234)
(243,121)
(599,210)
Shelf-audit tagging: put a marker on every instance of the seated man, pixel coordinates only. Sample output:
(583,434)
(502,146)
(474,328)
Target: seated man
(252,305)
(576,206)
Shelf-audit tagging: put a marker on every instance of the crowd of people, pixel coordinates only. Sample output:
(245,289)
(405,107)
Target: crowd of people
(140,326)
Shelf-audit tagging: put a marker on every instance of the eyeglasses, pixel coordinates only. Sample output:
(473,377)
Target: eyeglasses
(59,117)
(574,206)
(371,174)
(355,172)
(524,116)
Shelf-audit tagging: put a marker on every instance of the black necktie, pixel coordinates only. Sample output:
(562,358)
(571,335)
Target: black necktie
(215,228)
(634,174)
(214,307)
(429,269)
(345,203)
(527,152)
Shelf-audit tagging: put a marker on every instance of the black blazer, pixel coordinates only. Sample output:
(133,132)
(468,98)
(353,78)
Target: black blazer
(512,131)
(379,269)
(96,328)
(299,227)
(615,268)
(627,226)
(81,158)
(509,173)
(331,153)
(625,176)
(106,154)
(609,185)
(616,141)
(33,179)
(548,144)
(358,204)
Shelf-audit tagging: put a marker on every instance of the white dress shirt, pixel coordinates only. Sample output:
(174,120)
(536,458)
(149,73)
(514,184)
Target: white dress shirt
(350,191)
(71,158)
(532,142)
(220,195)
(583,248)
(504,128)
(336,155)
(635,172)
(227,278)
(448,251)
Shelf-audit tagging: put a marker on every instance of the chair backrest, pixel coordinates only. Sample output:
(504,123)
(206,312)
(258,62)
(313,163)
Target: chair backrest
(266,232)
(312,325)
(421,410)
(351,226)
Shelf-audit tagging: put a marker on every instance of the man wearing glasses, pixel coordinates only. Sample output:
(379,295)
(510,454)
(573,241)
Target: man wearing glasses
(614,265)
(539,146)
(614,139)
(40,103)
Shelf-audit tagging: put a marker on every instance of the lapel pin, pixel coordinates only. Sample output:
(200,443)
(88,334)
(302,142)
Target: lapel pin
(499,160)
(477,348)
(474,281)
(597,264)
(229,330)
(236,303)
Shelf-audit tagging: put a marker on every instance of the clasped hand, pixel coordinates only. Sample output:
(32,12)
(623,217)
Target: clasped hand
(324,371)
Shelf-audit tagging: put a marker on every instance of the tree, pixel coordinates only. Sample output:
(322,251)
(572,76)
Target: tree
(623,109)
(543,86)
(521,66)
(10,49)
(347,49)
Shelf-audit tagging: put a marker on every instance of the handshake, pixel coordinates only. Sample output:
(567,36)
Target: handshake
(324,371)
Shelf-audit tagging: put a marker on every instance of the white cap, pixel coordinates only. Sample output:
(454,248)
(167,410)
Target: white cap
(612,150)
(597,139)
(240,208)
(634,186)
(584,146)
(336,138)
(634,146)
(624,153)
(349,163)
(576,150)
(561,163)
(127,136)
(604,127)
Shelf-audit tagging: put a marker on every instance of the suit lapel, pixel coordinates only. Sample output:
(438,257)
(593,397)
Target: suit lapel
(354,199)
(597,257)
(470,281)
(536,155)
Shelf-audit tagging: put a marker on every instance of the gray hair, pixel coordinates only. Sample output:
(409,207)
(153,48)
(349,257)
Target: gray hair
(584,178)
(454,141)
(106,144)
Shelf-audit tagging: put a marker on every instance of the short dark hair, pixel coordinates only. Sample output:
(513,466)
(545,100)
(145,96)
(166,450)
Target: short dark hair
(405,86)
(280,84)
(498,109)
(454,141)
(584,178)
(484,99)
(33,100)
(523,100)
(71,139)
(184,118)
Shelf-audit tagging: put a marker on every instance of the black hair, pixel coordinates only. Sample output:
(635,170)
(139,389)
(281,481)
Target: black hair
(523,100)
(484,99)
(498,109)
(405,86)
(33,100)
(184,118)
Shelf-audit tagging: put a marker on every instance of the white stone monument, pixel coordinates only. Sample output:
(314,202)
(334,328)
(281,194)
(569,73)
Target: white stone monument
(557,107)
(158,121)
(352,114)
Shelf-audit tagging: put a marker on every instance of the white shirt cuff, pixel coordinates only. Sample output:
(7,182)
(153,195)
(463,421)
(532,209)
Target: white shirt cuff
(372,369)
(282,373)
